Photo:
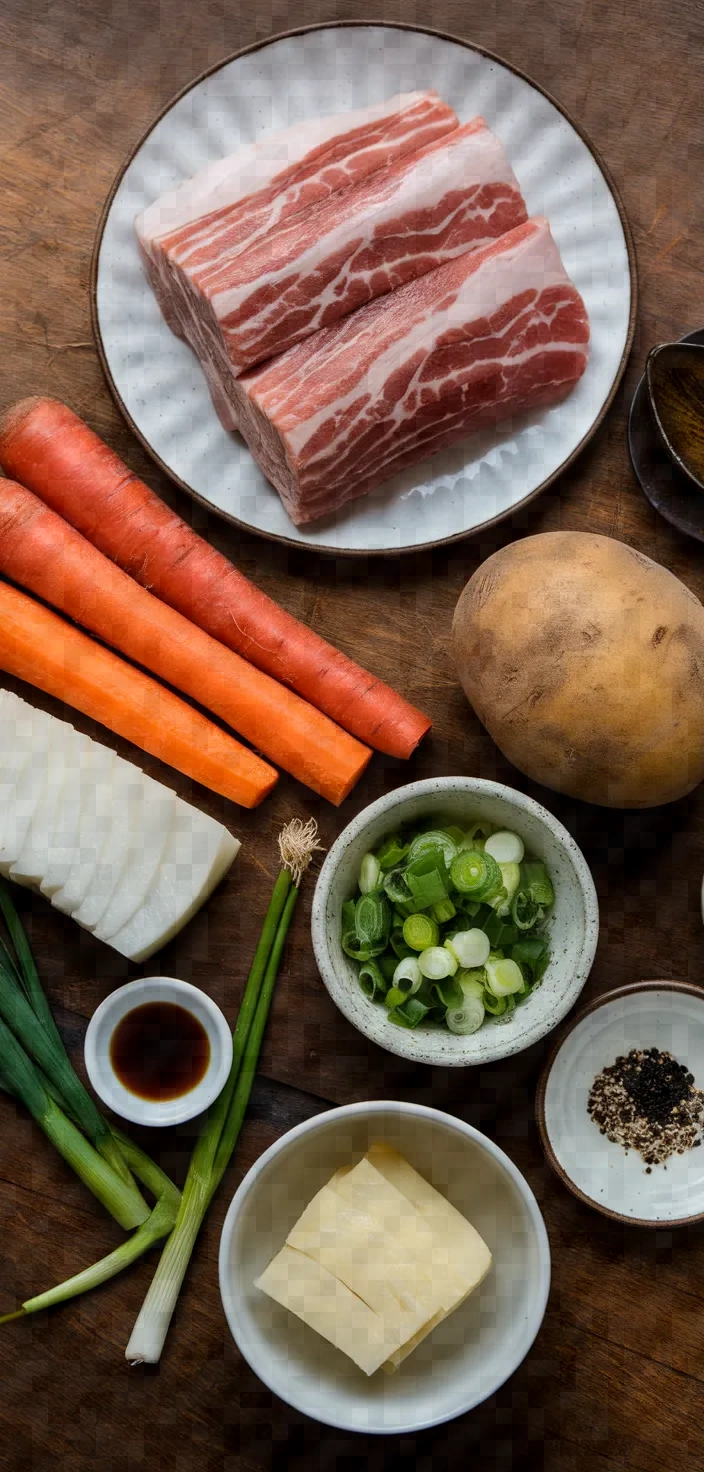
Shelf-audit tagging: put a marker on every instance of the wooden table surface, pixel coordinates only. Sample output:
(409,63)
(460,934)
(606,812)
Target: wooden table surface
(614,1381)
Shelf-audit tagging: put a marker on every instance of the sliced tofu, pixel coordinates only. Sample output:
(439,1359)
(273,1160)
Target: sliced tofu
(197,856)
(150,815)
(317,1297)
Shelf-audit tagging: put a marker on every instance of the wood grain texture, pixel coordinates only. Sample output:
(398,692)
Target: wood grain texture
(614,1381)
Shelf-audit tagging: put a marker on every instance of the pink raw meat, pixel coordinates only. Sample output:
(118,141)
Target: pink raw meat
(238,199)
(484,337)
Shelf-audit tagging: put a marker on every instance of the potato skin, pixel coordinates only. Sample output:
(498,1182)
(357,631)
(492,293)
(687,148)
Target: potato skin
(585,662)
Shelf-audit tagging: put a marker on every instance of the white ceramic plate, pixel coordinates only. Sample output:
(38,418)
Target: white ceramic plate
(665,1015)
(467,1357)
(158,382)
(573,926)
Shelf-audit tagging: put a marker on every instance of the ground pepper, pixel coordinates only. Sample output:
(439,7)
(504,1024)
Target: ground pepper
(649,1102)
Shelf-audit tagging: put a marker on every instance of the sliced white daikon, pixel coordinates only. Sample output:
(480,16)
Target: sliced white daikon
(16,753)
(78,788)
(60,767)
(199,853)
(109,829)
(98,825)
(29,786)
(150,820)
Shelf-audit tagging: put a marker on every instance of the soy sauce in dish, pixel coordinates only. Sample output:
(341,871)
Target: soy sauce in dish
(160,1051)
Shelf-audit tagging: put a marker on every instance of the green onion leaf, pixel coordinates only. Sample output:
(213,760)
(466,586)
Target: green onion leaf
(393,850)
(372,920)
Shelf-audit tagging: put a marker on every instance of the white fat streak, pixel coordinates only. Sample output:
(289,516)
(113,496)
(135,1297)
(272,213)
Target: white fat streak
(466,162)
(533,264)
(253,167)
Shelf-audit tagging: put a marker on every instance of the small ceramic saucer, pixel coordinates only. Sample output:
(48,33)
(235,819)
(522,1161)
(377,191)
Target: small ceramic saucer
(668,489)
(668,1015)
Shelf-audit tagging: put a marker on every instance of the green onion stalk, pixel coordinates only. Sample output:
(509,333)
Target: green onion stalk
(25,1011)
(297,843)
(157,1226)
(36,1070)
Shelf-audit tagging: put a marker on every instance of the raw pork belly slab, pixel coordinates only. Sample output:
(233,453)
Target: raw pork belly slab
(455,194)
(485,336)
(239,198)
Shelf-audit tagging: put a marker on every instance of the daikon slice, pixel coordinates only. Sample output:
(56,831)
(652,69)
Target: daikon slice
(96,826)
(199,853)
(64,839)
(60,758)
(25,775)
(151,814)
(109,834)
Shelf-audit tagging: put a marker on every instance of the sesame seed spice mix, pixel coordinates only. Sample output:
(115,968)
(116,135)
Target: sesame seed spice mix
(647,1101)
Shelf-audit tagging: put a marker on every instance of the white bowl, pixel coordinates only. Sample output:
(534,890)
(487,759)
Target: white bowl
(668,1015)
(573,925)
(468,1356)
(102,1074)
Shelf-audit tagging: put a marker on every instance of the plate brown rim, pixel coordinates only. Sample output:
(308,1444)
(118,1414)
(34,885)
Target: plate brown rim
(631,989)
(359,551)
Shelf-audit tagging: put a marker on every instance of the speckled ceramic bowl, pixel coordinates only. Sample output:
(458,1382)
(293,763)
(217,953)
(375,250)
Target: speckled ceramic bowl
(574,924)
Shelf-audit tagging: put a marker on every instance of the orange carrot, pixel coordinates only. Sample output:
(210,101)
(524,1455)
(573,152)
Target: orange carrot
(45,446)
(43,553)
(41,648)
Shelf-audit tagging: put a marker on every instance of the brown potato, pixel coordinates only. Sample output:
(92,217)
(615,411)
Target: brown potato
(585,662)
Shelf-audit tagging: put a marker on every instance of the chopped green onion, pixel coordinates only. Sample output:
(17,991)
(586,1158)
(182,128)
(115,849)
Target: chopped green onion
(398,944)
(532,956)
(448,990)
(472,983)
(393,850)
(443,912)
(433,843)
(469,947)
(503,976)
(369,874)
(525,911)
(372,920)
(495,1006)
(394,997)
(476,836)
(387,966)
(409,1013)
(505,847)
(537,881)
(408,976)
(372,981)
(455,833)
(467,1018)
(396,888)
(476,874)
(427,889)
(510,880)
(501,932)
(437,963)
(420,931)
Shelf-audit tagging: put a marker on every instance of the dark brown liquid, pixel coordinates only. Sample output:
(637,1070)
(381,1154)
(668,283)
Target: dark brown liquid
(160,1051)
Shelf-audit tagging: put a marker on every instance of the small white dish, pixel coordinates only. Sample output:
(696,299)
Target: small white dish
(573,925)
(102,1075)
(319,70)
(466,1358)
(651,1014)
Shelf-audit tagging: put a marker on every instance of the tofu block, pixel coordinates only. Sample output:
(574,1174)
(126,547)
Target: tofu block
(387,1237)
